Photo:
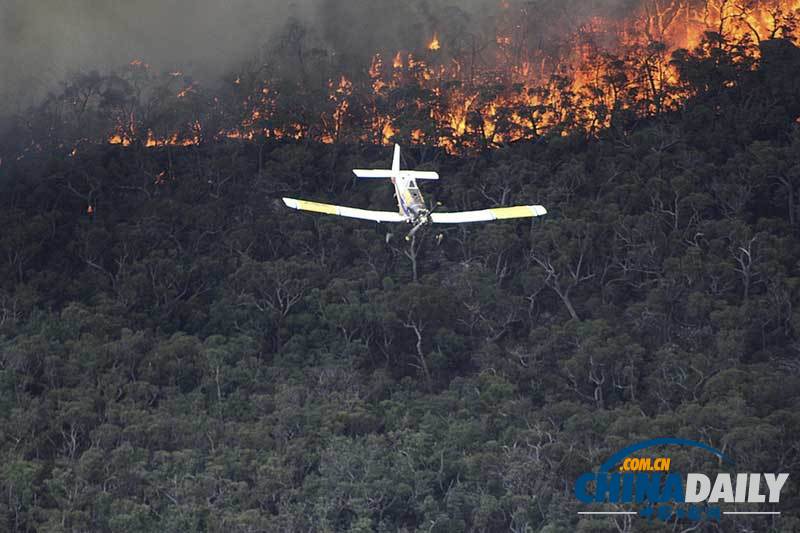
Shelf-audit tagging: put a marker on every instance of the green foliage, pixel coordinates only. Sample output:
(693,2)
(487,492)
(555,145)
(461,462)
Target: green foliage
(194,357)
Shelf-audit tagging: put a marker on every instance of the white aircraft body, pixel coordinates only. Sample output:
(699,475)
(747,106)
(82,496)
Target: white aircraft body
(412,208)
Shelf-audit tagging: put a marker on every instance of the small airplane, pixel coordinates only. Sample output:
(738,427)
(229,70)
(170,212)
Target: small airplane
(412,208)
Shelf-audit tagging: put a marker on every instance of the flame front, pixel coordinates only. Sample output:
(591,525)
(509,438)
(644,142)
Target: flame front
(515,91)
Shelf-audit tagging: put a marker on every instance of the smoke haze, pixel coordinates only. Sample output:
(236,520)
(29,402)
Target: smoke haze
(44,42)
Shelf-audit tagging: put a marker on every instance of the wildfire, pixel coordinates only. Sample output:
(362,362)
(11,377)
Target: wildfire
(185,91)
(119,139)
(387,132)
(515,90)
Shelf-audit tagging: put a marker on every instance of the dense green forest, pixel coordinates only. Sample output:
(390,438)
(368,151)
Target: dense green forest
(193,356)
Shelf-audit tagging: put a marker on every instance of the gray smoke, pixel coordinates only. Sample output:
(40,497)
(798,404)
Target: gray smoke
(43,42)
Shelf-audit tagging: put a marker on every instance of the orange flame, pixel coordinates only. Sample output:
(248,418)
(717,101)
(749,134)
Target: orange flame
(516,91)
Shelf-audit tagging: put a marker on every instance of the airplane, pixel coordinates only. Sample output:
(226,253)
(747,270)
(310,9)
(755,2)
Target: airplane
(412,208)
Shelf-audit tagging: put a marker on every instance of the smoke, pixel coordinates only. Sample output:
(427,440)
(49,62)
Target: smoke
(43,43)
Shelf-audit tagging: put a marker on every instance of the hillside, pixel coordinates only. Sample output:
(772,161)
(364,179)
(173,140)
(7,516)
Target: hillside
(190,355)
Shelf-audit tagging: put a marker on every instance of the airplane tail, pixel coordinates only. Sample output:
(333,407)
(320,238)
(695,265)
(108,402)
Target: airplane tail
(408,174)
(395,171)
(396,160)
(372,173)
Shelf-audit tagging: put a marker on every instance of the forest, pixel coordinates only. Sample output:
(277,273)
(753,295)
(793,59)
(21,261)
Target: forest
(180,352)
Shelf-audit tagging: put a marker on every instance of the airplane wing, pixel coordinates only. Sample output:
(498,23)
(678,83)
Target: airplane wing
(495,213)
(377,216)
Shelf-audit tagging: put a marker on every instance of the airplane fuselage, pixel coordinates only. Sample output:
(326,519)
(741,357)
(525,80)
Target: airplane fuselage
(410,202)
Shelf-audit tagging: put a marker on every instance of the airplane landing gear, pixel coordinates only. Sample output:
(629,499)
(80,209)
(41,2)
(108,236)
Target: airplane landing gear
(423,220)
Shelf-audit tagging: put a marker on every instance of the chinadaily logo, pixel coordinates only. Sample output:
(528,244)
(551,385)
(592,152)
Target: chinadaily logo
(652,486)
